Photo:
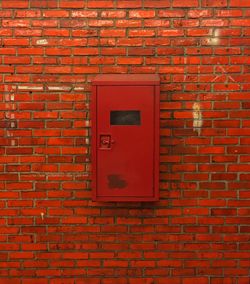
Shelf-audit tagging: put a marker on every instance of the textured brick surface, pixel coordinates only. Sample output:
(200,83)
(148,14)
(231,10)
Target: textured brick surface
(50,230)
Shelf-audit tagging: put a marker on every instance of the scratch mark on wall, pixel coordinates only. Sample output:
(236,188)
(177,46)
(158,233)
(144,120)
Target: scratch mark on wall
(197,118)
(225,72)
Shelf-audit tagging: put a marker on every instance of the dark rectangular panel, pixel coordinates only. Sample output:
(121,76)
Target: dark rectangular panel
(125,117)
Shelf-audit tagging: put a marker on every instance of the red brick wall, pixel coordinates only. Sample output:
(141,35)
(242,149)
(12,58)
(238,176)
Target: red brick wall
(50,230)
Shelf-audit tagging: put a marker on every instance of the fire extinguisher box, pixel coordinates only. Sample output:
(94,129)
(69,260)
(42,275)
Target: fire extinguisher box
(125,137)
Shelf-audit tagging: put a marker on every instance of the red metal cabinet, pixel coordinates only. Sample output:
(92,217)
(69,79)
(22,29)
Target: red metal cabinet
(125,137)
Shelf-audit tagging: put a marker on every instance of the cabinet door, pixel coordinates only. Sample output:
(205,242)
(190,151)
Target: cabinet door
(125,121)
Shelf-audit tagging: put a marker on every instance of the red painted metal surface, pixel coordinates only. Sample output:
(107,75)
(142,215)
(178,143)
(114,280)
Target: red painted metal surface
(125,137)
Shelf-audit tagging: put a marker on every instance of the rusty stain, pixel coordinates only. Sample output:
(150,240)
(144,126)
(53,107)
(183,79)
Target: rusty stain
(115,181)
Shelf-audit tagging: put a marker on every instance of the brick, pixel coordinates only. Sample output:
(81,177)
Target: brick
(171,13)
(229,13)
(186,23)
(113,14)
(132,60)
(56,14)
(6,32)
(213,3)
(170,32)
(19,42)
(199,13)
(17,60)
(214,23)
(84,14)
(21,255)
(156,3)
(27,14)
(112,33)
(30,51)
(100,4)
(75,4)
(100,23)
(142,14)
(43,4)
(56,32)
(29,69)
(6,14)
(187,3)
(239,3)
(156,23)
(20,4)
(129,4)
(128,23)
(7,51)
(85,51)
(240,22)
(16,23)
(44,23)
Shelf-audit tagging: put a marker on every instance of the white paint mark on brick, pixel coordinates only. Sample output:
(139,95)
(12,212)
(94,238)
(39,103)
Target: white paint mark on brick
(79,89)
(12,97)
(59,88)
(9,134)
(9,115)
(87,141)
(217,33)
(197,118)
(12,124)
(13,142)
(30,88)
(42,42)
(215,40)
